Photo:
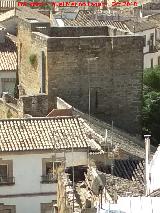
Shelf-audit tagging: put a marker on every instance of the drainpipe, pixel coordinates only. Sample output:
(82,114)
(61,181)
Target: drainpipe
(147,155)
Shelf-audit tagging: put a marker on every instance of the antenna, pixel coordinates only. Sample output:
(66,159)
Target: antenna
(105,160)
(89,94)
(15,7)
(105,140)
(73,176)
(147,150)
(112,163)
(89,86)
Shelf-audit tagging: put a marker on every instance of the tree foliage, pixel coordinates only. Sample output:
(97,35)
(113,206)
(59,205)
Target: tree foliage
(151,103)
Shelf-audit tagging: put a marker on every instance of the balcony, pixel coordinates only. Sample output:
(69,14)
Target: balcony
(49,178)
(7,180)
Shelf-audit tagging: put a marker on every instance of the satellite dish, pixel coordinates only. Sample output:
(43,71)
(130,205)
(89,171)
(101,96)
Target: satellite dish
(98,183)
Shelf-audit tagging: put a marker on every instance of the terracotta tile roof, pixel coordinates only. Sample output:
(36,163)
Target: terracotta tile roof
(123,186)
(114,184)
(60,112)
(129,144)
(136,27)
(155,193)
(127,169)
(25,13)
(8,56)
(7,3)
(44,134)
(87,18)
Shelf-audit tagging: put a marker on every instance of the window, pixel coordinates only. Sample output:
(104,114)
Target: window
(96,101)
(144,40)
(47,171)
(151,62)
(7,208)
(8,85)
(158,60)
(3,172)
(151,43)
(6,172)
(114,32)
(49,168)
(46,207)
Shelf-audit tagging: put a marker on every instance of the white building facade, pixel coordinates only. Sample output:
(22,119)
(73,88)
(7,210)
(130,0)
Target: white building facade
(31,151)
(150,33)
(151,55)
(154,171)
(30,187)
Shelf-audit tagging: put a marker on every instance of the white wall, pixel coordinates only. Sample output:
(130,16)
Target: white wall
(27,170)
(79,158)
(28,204)
(148,57)
(132,205)
(10,25)
(147,33)
(154,171)
(6,74)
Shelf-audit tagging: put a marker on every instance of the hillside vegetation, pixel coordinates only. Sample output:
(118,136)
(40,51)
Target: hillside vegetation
(151,103)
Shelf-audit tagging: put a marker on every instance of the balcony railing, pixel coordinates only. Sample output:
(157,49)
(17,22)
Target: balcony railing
(7,180)
(49,178)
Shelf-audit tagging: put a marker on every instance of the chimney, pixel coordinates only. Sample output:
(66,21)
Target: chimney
(147,155)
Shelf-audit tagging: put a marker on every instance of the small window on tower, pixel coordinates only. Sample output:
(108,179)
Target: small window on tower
(151,62)
(96,101)
(158,60)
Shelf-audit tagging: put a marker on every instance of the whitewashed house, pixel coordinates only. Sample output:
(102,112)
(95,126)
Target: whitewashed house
(30,152)
(155,172)
(8,63)
(148,30)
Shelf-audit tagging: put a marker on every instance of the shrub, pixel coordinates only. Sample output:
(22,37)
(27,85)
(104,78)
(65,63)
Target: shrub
(33,59)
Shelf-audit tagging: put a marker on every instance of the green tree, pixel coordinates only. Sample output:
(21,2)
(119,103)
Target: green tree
(151,103)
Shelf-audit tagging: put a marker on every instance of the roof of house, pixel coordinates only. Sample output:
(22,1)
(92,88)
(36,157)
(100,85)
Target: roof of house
(8,55)
(7,3)
(155,193)
(155,17)
(115,184)
(45,134)
(155,159)
(123,186)
(126,169)
(129,144)
(24,13)
(139,26)
(60,112)
(87,18)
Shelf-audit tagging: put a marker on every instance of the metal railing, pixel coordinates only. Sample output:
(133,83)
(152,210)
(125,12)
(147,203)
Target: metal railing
(49,178)
(7,180)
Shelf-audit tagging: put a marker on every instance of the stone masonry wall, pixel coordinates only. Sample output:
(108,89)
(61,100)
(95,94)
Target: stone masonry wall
(78,31)
(29,76)
(7,110)
(36,106)
(115,77)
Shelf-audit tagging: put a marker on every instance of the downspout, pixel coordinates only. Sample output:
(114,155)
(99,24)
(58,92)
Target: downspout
(147,155)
